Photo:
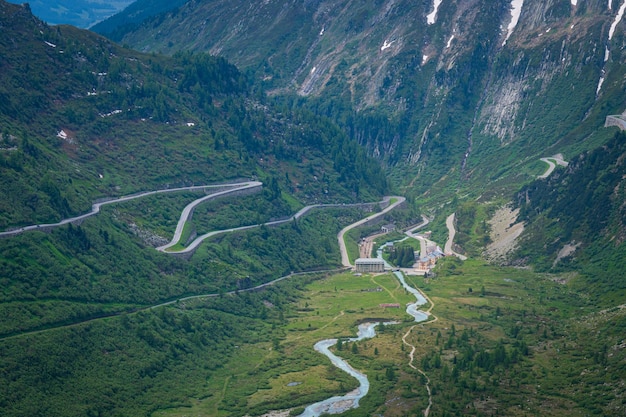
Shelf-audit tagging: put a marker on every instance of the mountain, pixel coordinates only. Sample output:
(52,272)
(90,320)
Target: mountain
(452,103)
(455,92)
(576,220)
(132,16)
(84,119)
(79,13)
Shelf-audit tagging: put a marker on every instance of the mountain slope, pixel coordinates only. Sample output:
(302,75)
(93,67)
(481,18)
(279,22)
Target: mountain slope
(84,119)
(576,220)
(434,94)
(132,16)
(79,13)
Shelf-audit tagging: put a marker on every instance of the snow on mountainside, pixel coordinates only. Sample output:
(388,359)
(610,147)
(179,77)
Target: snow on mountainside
(448,82)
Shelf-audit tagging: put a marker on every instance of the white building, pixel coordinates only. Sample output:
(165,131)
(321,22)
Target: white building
(369,265)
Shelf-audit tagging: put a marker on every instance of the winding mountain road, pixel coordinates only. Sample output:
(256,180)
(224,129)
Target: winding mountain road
(95,208)
(345,259)
(305,210)
(552,163)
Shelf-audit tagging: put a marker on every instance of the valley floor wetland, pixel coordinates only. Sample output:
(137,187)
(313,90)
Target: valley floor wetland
(339,404)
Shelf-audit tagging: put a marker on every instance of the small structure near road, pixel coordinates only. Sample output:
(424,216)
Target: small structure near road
(369,265)
(425,263)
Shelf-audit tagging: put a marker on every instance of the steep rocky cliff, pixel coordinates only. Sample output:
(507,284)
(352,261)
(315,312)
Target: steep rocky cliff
(431,88)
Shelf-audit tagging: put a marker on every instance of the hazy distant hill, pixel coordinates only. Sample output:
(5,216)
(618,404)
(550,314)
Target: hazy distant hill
(79,13)
(131,17)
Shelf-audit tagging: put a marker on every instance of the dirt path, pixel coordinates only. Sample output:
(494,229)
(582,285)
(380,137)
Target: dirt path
(450,241)
(178,300)
(426,411)
(391,295)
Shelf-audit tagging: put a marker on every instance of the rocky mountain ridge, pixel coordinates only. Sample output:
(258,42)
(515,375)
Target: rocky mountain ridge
(434,89)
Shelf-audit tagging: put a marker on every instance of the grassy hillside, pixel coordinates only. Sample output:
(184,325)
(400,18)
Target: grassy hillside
(83,118)
(94,321)
(576,221)
(445,102)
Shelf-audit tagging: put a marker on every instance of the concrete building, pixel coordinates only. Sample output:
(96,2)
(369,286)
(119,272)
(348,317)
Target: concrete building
(369,265)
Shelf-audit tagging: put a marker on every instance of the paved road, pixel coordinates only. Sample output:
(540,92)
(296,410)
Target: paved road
(188,210)
(95,208)
(423,241)
(552,163)
(345,259)
(198,240)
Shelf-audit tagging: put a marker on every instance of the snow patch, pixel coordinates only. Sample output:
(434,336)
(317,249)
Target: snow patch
(322,31)
(424,59)
(386,45)
(599,85)
(50,44)
(516,10)
(618,18)
(313,70)
(111,114)
(606,53)
(430,19)
(62,134)
(449,41)
(574,2)
(610,2)
(191,124)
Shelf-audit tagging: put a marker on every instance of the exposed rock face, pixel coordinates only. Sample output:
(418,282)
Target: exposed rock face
(504,234)
(450,82)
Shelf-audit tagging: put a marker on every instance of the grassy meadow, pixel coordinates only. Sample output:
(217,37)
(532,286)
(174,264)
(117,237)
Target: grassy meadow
(287,372)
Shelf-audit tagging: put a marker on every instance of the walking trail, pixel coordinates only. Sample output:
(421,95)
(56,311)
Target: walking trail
(412,353)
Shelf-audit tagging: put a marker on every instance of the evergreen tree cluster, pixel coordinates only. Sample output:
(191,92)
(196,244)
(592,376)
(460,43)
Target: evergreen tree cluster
(402,256)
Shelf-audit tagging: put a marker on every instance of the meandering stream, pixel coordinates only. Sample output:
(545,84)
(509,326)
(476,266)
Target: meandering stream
(339,404)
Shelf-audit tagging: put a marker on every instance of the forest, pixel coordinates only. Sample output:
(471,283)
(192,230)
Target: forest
(95,322)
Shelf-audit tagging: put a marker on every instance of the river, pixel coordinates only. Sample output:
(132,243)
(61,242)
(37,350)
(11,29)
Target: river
(339,404)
